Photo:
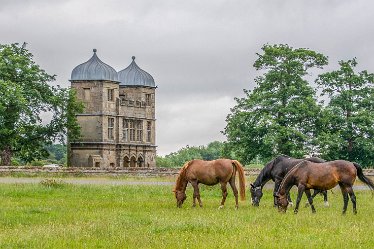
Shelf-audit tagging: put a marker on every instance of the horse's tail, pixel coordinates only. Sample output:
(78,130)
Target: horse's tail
(240,169)
(362,177)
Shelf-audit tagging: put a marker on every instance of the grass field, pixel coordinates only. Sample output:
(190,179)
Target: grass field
(89,216)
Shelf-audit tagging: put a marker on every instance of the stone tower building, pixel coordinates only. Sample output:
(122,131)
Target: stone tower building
(118,123)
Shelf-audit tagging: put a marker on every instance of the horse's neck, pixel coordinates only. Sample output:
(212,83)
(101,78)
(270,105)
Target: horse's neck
(182,184)
(286,184)
(262,178)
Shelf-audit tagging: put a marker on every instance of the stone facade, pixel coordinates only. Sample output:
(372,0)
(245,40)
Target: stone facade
(117,126)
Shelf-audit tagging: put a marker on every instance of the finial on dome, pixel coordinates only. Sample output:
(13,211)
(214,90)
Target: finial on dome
(94,50)
(133,58)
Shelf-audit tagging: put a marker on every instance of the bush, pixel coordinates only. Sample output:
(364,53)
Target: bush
(52,183)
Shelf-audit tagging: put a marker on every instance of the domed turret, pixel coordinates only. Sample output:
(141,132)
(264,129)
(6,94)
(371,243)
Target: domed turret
(94,69)
(133,75)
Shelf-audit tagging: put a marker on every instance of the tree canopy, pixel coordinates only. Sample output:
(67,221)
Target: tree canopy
(278,115)
(347,124)
(26,95)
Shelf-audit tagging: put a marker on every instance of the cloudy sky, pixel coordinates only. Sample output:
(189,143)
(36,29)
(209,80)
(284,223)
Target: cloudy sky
(200,52)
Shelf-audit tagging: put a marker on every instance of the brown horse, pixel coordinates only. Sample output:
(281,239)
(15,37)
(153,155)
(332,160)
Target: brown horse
(322,176)
(209,173)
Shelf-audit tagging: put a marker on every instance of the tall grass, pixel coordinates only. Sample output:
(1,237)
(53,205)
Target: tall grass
(77,216)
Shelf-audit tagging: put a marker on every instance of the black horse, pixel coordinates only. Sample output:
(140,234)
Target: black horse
(276,170)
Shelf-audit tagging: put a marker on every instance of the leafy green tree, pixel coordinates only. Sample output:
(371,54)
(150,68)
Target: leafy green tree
(26,95)
(278,116)
(56,151)
(176,159)
(212,151)
(347,126)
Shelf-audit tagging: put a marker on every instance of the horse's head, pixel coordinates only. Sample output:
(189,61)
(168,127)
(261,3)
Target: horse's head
(180,196)
(256,194)
(282,202)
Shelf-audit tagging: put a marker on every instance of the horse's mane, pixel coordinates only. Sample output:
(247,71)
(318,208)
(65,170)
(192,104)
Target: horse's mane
(290,172)
(182,175)
(315,160)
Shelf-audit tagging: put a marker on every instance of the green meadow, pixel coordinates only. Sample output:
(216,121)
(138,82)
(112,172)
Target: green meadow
(59,215)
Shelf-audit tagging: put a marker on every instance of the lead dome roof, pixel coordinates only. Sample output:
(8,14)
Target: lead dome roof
(94,69)
(133,75)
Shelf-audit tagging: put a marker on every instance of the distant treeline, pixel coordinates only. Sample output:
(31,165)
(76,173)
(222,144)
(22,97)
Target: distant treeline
(56,155)
(212,151)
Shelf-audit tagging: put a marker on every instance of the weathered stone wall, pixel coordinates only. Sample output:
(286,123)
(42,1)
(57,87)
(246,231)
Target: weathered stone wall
(105,102)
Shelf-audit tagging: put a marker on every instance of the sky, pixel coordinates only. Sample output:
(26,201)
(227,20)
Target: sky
(200,52)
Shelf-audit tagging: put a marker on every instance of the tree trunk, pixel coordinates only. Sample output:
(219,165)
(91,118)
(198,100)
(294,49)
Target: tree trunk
(350,139)
(6,156)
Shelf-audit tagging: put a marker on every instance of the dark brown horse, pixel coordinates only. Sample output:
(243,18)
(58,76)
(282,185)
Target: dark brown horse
(221,171)
(322,176)
(276,170)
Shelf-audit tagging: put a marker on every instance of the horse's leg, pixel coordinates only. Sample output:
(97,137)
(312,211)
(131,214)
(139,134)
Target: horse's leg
(224,193)
(235,191)
(345,197)
(353,199)
(326,203)
(300,191)
(310,199)
(196,193)
(276,187)
(315,193)
(289,199)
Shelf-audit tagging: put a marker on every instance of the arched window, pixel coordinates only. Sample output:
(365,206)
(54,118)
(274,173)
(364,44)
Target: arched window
(140,161)
(133,162)
(126,161)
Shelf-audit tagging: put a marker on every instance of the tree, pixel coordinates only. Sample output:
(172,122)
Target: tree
(26,95)
(347,126)
(278,116)
(176,159)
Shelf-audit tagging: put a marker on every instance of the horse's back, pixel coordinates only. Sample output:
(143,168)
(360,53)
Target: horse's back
(334,171)
(333,166)
(210,172)
(282,166)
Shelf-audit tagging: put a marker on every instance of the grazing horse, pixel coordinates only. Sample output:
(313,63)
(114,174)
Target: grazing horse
(323,176)
(276,170)
(221,171)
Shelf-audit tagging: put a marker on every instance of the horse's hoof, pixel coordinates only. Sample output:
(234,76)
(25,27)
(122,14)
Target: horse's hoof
(295,211)
(220,207)
(307,204)
(236,207)
(327,204)
(290,203)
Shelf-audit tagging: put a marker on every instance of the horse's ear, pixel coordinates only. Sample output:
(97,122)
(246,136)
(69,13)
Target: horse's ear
(252,185)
